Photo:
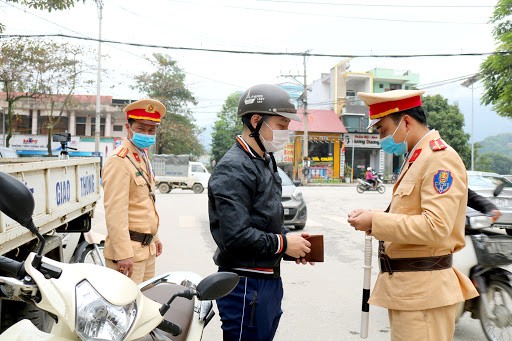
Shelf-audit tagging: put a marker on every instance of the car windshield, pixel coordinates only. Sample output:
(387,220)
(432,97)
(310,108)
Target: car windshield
(487,181)
(286,180)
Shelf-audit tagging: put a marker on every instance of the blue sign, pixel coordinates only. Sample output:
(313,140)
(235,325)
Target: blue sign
(63,192)
(86,185)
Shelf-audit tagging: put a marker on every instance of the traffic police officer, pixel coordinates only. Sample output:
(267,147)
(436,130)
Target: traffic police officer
(128,182)
(423,226)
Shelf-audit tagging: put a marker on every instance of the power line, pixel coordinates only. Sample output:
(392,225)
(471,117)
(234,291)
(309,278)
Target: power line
(265,53)
(377,5)
(443,82)
(309,14)
(85,37)
(360,18)
(40,17)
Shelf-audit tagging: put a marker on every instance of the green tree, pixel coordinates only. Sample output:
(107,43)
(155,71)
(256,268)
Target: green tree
(494,162)
(449,121)
(49,5)
(178,132)
(226,127)
(496,70)
(40,71)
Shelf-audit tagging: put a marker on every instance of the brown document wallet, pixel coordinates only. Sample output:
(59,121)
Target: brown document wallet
(317,249)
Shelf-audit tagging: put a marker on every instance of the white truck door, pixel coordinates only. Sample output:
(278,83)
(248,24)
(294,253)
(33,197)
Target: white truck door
(199,172)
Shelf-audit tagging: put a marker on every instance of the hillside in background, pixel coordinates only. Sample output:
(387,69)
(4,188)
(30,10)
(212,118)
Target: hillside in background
(501,144)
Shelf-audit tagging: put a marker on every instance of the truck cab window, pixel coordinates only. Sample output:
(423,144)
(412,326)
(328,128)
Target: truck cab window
(197,169)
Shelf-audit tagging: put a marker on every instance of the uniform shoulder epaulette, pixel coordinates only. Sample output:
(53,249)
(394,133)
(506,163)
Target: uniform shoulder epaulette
(437,145)
(122,152)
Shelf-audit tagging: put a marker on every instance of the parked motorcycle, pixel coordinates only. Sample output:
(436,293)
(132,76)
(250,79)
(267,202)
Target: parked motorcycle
(363,186)
(90,302)
(483,260)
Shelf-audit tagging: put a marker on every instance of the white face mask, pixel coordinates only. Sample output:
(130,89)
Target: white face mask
(280,139)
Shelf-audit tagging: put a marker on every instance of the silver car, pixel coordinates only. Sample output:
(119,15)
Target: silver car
(484,184)
(295,211)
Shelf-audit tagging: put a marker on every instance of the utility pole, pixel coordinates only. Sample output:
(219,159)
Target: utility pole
(470,83)
(305,146)
(97,126)
(3,126)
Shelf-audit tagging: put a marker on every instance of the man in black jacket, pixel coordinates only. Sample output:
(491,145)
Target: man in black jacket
(246,216)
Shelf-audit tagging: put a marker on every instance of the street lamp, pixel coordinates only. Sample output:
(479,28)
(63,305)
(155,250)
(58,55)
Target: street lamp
(99,3)
(304,99)
(470,83)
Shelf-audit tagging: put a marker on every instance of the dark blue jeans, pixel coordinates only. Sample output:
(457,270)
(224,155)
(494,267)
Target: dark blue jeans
(251,312)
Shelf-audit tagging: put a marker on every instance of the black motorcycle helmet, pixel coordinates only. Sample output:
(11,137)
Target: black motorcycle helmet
(265,100)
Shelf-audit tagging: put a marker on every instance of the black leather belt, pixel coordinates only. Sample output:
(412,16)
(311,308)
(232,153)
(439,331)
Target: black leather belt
(144,238)
(391,265)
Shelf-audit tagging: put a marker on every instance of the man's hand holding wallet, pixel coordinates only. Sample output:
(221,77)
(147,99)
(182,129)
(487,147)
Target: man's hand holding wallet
(305,248)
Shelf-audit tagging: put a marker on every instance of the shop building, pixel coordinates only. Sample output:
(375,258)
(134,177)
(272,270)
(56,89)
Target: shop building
(325,133)
(337,91)
(31,119)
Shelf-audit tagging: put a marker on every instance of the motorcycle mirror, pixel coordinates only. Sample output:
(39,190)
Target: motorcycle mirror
(216,285)
(16,200)
(498,189)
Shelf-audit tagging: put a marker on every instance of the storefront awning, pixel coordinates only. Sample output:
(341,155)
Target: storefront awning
(319,121)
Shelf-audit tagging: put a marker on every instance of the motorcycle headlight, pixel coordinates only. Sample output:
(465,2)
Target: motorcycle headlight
(480,222)
(97,319)
(297,195)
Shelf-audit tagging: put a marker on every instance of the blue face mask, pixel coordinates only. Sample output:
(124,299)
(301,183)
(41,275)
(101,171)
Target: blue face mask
(142,140)
(389,145)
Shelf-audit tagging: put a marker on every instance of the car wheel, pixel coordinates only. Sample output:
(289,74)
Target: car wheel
(198,188)
(164,187)
(300,227)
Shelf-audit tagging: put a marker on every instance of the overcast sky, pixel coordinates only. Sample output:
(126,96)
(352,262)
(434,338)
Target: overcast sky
(340,27)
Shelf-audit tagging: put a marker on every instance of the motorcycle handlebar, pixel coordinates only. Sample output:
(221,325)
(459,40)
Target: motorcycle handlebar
(170,327)
(12,267)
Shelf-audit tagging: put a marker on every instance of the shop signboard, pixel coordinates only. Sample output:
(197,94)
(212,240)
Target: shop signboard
(381,161)
(362,140)
(38,142)
(322,158)
(285,155)
(288,153)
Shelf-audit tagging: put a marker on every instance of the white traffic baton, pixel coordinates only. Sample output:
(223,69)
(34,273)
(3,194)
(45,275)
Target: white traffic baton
(365,313)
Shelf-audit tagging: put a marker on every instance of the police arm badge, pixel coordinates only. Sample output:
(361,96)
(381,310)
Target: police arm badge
(443,180)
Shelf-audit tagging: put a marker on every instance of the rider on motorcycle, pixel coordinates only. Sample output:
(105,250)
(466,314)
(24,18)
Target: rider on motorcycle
(370,177)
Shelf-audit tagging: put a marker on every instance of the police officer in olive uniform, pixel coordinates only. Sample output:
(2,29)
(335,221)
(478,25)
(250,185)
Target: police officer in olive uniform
(423,226)
(128,182)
